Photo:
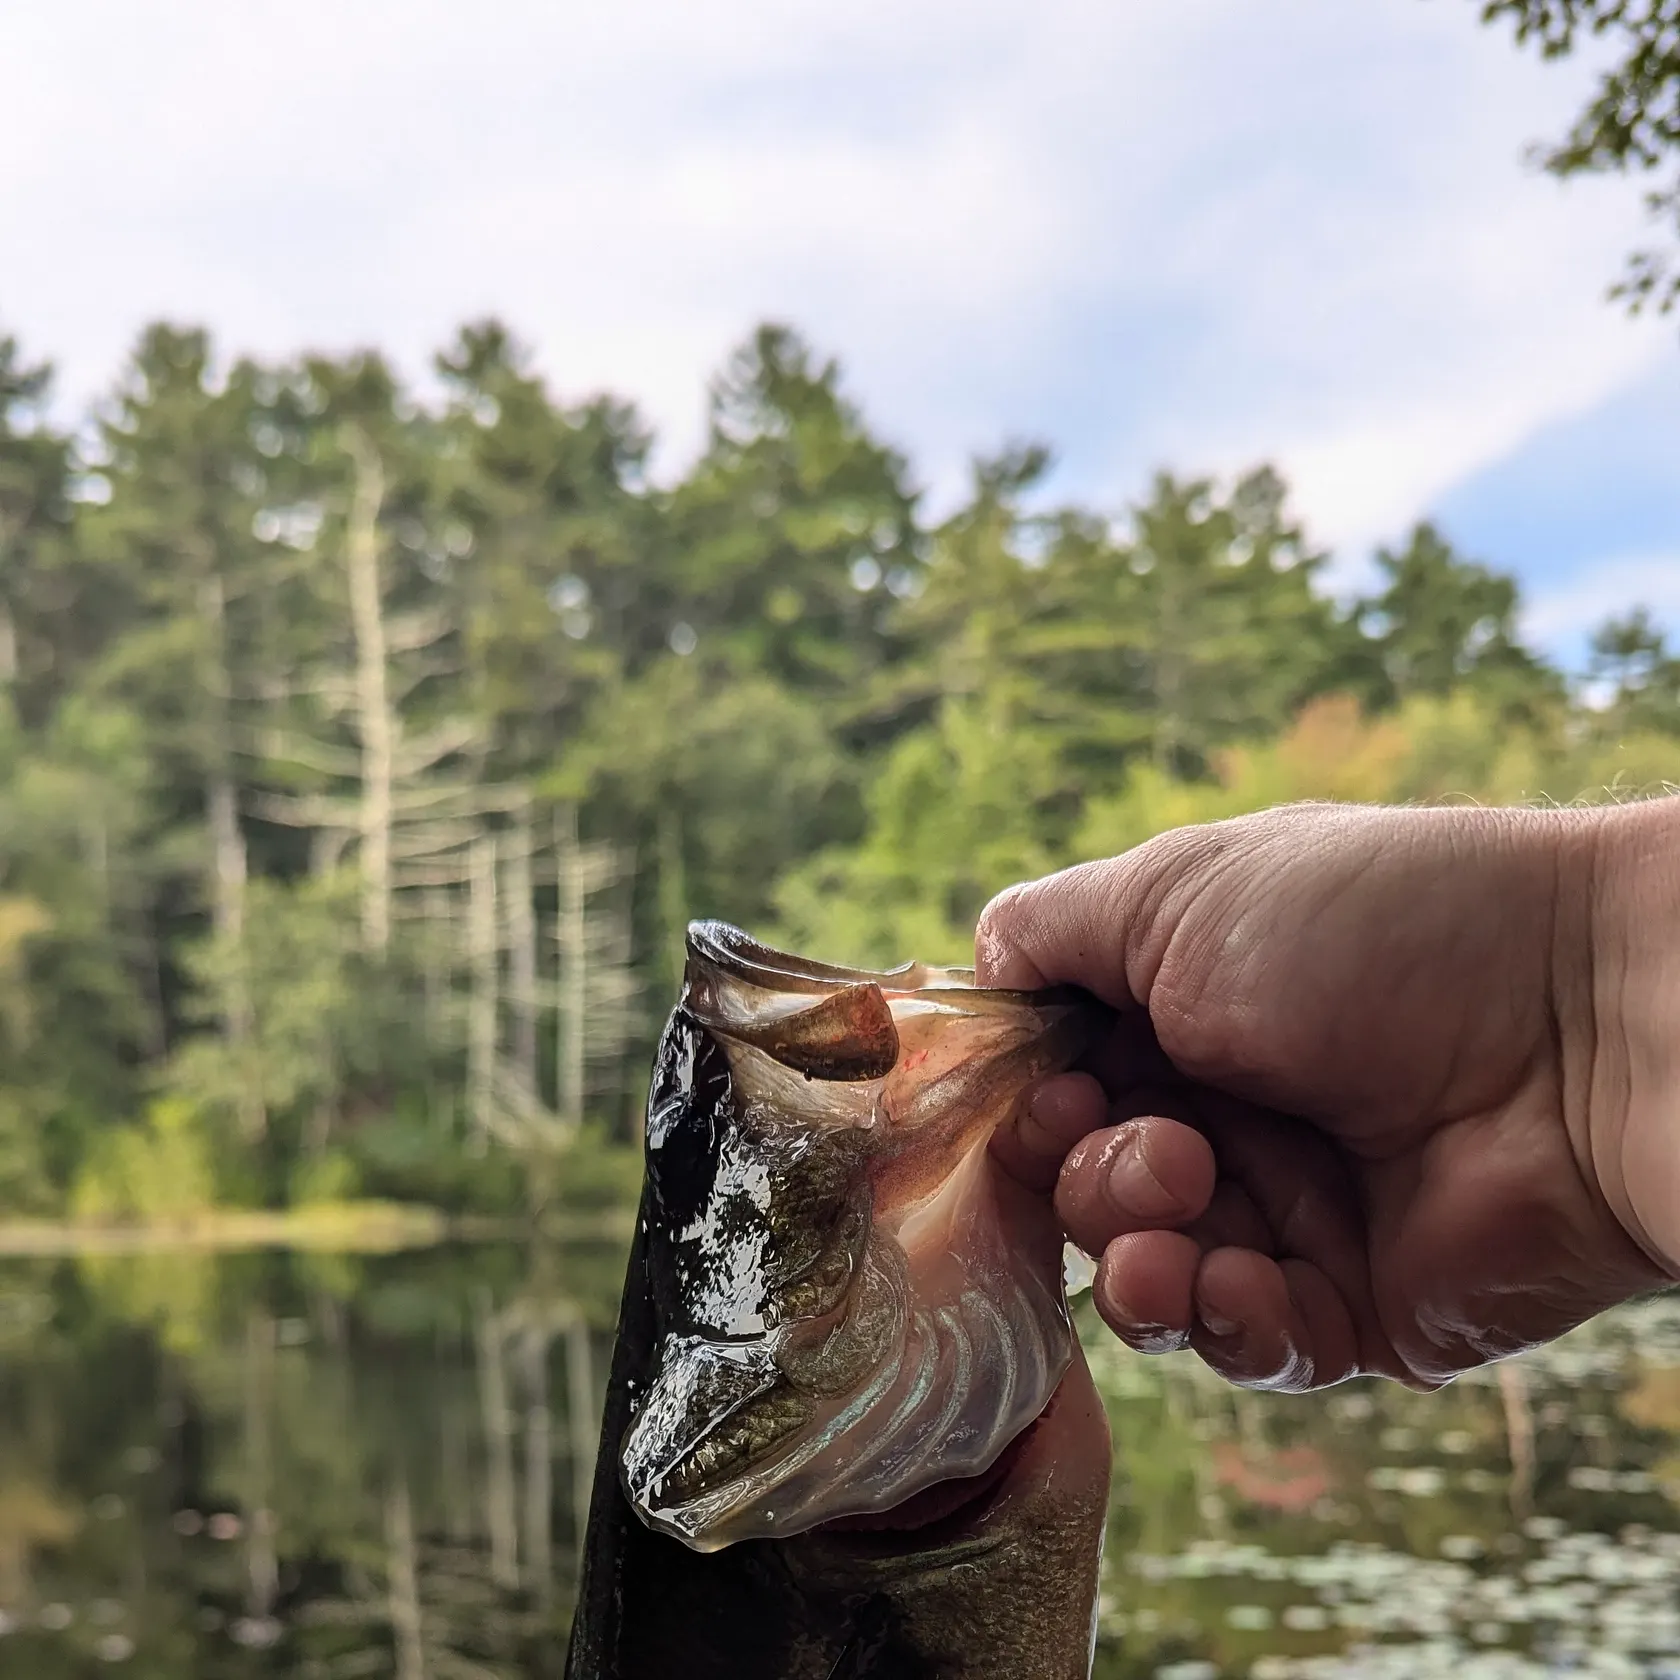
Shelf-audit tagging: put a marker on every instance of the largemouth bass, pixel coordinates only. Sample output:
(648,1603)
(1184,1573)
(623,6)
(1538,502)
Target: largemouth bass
(848,1430)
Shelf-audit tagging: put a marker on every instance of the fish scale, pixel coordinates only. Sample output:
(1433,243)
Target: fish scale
(844,1361)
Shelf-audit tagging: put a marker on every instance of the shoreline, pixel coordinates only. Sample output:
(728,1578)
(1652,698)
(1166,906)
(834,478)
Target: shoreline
(343,1227)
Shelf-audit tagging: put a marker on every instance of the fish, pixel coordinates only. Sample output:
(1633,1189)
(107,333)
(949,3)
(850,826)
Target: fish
(849,1433)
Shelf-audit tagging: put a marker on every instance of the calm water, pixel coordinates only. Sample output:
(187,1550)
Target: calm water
(336,1467)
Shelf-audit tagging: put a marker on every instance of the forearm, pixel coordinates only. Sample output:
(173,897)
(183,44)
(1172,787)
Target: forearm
(1633,1099)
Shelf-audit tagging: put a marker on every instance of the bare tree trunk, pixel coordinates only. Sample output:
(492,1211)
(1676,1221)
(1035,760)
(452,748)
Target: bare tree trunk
(228,862)
(481,1006)
(539,1466)
(376,726)
(581,1425)
(436,945)
(498,1451)
(1519,1434)
(572,1016)
(522,952)
(403,1584)
(228,850)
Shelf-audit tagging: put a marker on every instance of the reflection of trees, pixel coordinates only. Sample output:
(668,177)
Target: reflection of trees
(1211,1557)
(334,1467)
(515,1343)
(32,1516)
(346,1469)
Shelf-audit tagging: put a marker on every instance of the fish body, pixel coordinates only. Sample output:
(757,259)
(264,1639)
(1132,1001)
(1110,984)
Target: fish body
(848,1431)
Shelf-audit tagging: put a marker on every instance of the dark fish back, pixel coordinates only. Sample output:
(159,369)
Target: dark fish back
(650,1609)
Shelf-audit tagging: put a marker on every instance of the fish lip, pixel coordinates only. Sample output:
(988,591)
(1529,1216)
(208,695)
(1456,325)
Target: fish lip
(727,948)
(738,954)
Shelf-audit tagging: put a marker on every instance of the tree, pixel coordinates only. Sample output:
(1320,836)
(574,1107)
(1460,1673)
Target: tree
(1228,632)
(956,811)
(176,542)
(35,481)
(1631,125)
(794,534)
(1441,621)
(1631,656)
(542,535)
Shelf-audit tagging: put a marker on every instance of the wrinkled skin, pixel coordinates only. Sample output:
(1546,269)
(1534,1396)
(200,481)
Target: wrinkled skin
(822,1221)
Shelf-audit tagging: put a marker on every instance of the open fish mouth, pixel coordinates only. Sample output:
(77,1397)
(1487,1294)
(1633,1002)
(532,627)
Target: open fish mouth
(852,1303)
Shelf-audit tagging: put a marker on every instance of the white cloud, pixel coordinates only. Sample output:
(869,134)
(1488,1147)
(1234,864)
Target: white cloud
(1198,233)
(1565,614)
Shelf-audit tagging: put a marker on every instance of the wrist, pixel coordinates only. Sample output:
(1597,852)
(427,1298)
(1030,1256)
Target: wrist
(1632,1074)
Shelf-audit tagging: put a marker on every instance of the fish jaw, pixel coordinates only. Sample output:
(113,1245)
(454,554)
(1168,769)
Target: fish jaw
(853,1301)
(996,1577)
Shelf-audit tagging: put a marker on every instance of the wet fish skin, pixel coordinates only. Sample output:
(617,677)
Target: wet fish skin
(829,1280)
(853,1304)
(1004,1591)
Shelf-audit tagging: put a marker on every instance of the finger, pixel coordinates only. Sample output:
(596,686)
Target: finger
(1129,1055)
(1231,1220)
(1307,1200)
(1326,1322)
(1143,1289)
(1070,926)
(1147,1174)
(1283,1326)
(1056,1115)
(1245,1324)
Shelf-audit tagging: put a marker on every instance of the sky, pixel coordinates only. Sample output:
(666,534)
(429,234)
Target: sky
(1194,235)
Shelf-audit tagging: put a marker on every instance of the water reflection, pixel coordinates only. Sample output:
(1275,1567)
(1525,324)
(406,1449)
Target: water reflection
(1521,1523)
(338,1466)
(301,1465)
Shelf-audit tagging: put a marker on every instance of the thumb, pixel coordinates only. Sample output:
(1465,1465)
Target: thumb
(1074,927)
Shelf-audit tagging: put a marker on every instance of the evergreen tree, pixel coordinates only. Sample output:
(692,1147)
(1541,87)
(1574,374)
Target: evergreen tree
(543,535)
(1631,656)
(1441,622)
(794,533)
(36,581)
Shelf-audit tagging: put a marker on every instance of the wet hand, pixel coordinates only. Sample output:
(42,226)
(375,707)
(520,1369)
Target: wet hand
(1390,1090)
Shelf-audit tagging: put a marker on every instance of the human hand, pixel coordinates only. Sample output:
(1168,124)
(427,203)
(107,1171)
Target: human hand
(1391,1090)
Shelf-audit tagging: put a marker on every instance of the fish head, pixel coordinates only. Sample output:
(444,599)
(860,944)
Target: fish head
(851,1302)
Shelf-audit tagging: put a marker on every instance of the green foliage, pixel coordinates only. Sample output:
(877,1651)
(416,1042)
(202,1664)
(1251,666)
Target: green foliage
(1631,656)
(951,816)
(794,530)
(360,761)
(1441,623)
(1631,125)
(157,1170)
(749,773)
(296,964)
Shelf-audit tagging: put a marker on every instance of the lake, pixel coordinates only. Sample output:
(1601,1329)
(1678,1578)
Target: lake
(333,1466)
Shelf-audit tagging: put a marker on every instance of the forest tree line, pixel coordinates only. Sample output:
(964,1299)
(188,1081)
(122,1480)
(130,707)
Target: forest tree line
(361,758)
